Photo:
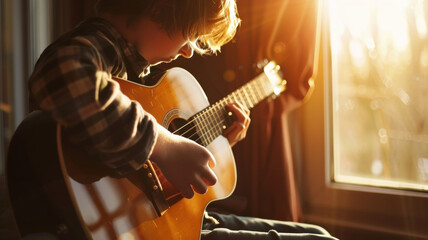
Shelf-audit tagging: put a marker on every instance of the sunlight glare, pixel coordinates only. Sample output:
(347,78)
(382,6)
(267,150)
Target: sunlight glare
(358,20)
(424,58)
(392,21)
(420,17)
(357,52)
(379,63)
(355,15)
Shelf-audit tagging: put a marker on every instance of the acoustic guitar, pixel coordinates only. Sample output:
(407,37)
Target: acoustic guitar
(81,202)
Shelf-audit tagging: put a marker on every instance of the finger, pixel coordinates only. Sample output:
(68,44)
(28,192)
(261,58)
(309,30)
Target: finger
(187,192)
(237,131)
(240,128)
(199,185)
(209,177)
(241,115)
(241,107)
(210,157)
(247,123)
(244,108)
(235,108)
(241,125)
(240,132)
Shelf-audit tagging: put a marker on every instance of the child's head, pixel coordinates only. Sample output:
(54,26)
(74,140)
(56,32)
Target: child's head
(209,24)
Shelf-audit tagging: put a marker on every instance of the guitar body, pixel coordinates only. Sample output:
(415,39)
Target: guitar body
(56,189)
(115,208)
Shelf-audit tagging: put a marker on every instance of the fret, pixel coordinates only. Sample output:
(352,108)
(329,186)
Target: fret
(247,96)
(234,98)
(227,99)
(253,96)
(214,124)
(220,115)
(255,93)
(207,125)
(251,93)
(264,85)
(221,105)
(217,119)
(237,98)
(210,125)
(258,85)
(201,131)
(211,121)
(242,95)
(245,99)
(258,90)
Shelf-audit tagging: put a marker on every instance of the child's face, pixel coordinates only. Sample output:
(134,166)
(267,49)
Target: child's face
(156,46)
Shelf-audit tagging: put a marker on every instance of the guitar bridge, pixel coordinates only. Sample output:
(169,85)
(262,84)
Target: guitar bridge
(147,180)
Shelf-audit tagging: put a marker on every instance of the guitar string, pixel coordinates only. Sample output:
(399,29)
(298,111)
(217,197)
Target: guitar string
(207,131)
(188,123)
(210,130)
(198,116)
(209,110)
(230,97)
(235,95)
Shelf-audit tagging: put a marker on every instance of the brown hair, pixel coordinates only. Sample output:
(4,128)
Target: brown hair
(208,24)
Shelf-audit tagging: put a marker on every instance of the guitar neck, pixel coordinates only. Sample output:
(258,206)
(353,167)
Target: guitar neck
(212,121)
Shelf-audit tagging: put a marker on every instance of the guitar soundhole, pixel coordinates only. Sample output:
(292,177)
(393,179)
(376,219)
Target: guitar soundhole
(184,128)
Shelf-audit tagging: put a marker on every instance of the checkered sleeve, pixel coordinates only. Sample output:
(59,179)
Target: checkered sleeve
(72,84)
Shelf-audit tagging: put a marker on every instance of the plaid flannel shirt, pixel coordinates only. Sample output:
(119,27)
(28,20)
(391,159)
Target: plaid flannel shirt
(72,81)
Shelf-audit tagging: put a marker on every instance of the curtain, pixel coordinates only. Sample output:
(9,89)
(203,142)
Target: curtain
(284,31)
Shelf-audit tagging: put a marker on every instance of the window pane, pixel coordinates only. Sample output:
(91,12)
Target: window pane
(379,53)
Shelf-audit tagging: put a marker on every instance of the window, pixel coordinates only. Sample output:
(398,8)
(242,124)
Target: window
(27,28)
(360,141)
(379,54)
(22,23)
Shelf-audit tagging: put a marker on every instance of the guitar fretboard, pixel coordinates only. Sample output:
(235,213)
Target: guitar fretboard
(211,122)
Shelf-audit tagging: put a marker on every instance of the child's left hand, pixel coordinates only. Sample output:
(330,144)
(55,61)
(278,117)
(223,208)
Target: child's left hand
(238,130)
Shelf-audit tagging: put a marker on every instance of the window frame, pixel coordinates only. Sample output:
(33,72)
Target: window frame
(347,211)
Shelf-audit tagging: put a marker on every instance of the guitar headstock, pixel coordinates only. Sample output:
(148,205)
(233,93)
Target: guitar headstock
(273,74)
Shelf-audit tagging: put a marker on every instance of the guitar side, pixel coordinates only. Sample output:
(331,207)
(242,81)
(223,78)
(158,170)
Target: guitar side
(116,208)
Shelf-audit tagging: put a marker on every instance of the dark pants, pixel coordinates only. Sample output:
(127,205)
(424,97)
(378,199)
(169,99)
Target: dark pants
(224,227)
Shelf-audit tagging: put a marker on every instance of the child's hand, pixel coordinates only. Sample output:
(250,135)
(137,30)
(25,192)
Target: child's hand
(184,163)
(238,130)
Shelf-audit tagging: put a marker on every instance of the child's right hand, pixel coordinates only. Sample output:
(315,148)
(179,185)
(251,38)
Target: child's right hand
(184,163)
